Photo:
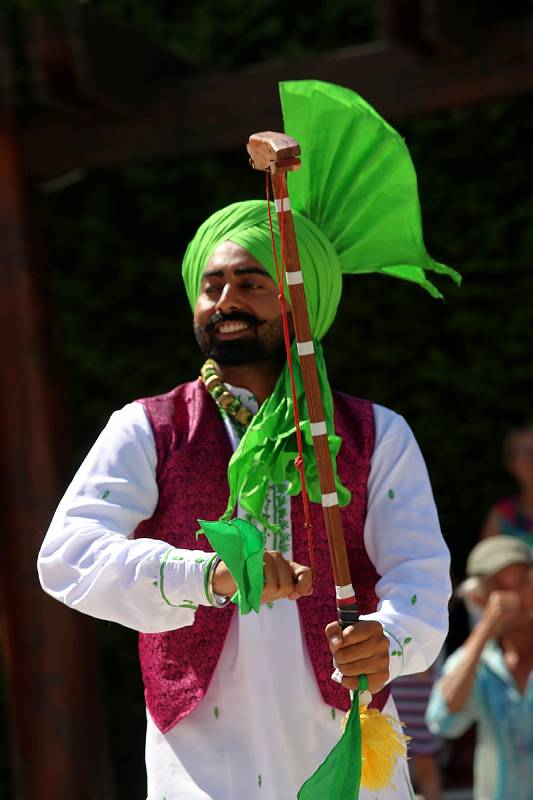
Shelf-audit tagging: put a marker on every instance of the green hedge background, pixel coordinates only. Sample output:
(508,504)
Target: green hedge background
(458,370)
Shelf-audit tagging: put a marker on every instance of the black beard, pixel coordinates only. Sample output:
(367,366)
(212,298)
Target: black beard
(267,343)
(235,354)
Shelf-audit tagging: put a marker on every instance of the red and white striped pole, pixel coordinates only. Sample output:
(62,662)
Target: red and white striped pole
(278,154)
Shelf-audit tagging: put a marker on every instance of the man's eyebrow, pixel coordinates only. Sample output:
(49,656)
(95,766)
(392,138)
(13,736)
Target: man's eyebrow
(218,273)
(251,271)
(213,273)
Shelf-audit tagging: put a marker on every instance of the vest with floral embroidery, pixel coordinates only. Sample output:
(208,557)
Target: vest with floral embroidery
(193,451)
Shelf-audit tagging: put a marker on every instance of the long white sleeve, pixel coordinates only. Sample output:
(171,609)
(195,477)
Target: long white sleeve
(404,542)
(88,559)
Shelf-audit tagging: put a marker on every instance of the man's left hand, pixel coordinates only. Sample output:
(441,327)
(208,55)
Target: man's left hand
(360,649)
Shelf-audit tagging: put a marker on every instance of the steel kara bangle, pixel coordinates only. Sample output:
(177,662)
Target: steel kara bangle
(214,599)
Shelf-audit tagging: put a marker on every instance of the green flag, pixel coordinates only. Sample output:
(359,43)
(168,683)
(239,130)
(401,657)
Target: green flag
(339,776)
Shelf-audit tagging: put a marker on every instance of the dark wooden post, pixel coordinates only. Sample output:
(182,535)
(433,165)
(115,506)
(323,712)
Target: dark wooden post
(58,731)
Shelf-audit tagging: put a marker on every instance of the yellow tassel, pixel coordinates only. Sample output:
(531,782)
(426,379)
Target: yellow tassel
(382,743)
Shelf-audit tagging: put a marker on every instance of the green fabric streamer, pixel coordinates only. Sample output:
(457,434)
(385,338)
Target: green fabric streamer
(240,546)
(268,448)
(339,775)
(356,210)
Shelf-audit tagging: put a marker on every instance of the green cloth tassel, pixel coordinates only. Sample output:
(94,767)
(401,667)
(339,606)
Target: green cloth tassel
(339,776)
(267,451)
(240,546)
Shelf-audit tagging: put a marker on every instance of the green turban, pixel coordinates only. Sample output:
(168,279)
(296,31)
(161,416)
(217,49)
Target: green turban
(247,225)
(356,210)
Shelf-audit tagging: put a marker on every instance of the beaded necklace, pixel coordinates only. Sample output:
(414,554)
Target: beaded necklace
(220,393)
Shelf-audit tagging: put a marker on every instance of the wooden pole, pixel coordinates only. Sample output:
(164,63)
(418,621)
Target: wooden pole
(277,154)
(58,735)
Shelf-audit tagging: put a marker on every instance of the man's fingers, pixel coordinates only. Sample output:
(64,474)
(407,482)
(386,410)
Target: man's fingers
(501,609)
(270,578)
(353,634)
(334,636)
(360,649)
(284,578)
(279,578)
(366,649)
(361,631)
(303,581)
(504,600)
(365,666)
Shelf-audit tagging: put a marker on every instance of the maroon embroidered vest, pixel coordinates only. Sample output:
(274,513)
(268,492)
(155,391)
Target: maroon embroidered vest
(193,451)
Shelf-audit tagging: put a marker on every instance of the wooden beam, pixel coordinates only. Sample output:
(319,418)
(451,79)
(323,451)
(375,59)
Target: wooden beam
(217,111)
(78,68)
(58,737)
(7,68)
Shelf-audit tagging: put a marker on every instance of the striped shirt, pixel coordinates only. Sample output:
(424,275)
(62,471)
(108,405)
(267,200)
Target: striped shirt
(411,696)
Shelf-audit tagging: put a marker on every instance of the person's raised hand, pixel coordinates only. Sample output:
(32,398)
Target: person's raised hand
(500,612)
(360,649)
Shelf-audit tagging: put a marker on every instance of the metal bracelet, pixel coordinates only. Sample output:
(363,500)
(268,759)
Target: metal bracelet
(216,600)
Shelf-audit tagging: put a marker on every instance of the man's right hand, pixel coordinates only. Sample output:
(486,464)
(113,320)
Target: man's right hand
(282,579)
(500,613)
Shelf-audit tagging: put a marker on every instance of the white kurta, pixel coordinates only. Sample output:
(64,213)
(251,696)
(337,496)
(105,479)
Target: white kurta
(262,727)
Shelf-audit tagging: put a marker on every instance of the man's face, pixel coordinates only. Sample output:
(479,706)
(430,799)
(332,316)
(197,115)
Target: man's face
(237,317)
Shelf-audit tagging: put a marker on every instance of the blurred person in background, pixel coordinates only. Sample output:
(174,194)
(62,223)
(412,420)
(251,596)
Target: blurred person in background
(488,680)
(513,516)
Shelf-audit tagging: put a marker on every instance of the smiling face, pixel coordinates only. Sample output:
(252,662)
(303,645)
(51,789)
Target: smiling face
(237,317)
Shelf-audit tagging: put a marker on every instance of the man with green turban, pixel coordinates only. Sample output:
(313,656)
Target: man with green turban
(245,705)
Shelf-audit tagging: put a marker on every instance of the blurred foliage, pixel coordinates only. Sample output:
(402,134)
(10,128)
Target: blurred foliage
(233,33)
(459,370)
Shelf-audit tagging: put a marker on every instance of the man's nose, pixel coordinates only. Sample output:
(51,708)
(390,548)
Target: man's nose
(229,299)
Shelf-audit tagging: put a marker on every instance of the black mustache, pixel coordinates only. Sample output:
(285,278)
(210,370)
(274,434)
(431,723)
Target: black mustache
(236,316)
